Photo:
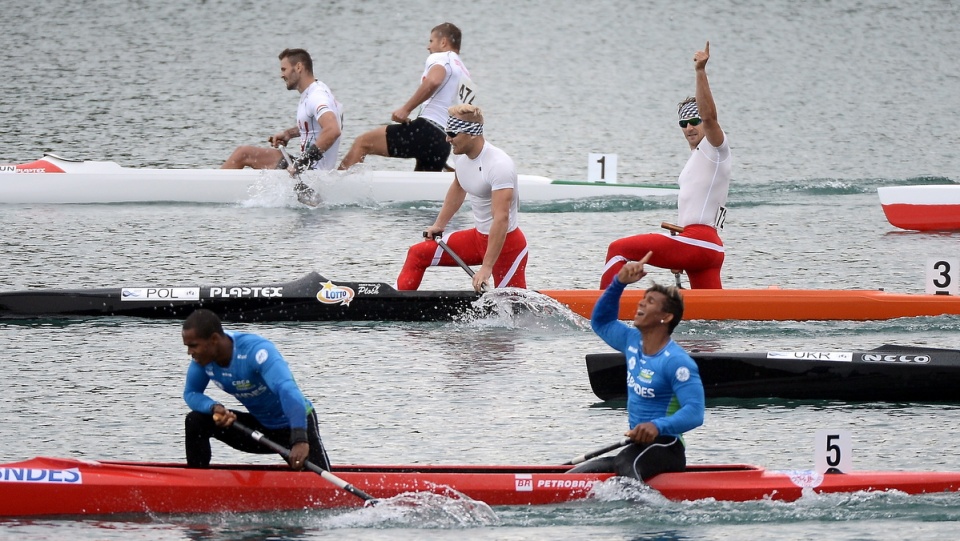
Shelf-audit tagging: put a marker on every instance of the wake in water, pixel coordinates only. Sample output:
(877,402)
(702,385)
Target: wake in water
(516,308)
(419,510)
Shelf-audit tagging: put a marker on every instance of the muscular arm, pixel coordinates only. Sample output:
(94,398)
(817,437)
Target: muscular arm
(500,202)
(705,103)
(329,131)
(427,87)
(451,204)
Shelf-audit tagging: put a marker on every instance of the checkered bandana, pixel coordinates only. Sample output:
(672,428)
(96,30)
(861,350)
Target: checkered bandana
(455,125)
(689,110)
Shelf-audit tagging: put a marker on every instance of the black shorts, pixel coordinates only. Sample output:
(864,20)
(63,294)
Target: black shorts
(419,139)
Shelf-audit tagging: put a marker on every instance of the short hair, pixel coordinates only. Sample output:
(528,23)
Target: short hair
(673,305)
(463,111)
(296,56)
(204,323)
(451,32)
(688,99)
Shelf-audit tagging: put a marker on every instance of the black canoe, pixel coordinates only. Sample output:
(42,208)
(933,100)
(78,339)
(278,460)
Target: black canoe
(311,298)
(888,374)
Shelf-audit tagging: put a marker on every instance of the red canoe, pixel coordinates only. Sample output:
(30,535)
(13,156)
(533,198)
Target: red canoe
(922,208)
(54,486)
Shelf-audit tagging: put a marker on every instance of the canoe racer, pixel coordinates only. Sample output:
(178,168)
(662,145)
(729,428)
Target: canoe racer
(319,121)
(445,81)
(704,183)
(489,177)
(251,369)
(664,392)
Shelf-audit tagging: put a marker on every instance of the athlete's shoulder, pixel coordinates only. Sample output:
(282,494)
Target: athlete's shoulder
(442,58)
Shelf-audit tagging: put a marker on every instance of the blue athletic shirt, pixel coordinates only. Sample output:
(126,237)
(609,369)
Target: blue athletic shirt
(258,377)
(664,388)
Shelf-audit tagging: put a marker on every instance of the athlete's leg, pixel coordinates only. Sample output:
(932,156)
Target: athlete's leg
(510,268)
(465,243)
(643,461)
(666,254)
(255,157)
(373,142)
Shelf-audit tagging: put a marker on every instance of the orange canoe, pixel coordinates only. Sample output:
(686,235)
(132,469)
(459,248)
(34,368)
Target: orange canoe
(778,304)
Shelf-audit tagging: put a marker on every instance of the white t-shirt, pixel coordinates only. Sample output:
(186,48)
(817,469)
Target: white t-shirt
(316,100)
(704,183)
(491,170)
(435,108)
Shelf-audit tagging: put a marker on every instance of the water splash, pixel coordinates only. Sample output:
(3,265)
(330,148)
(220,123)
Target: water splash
(517,308)
(451,509)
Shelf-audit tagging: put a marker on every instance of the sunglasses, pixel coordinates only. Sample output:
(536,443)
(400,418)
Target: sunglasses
(452,134)
(692,121)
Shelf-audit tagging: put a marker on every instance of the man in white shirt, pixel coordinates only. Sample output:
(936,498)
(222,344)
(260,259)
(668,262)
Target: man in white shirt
(486,175)
(704,183)
(319,121)
(445,81)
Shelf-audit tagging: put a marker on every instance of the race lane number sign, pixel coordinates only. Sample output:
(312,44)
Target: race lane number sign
(943,276)
(832,451)
(602,168)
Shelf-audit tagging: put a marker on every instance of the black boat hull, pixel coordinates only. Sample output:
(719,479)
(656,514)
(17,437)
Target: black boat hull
(888,374)
(311,298)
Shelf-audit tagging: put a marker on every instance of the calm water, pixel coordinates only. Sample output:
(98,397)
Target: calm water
(822,102)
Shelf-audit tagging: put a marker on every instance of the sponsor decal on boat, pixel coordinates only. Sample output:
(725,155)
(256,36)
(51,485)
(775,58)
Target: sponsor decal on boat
(240,292)
(160,294)
(523,482)
(368,289)
(887,358)
(8,168)
(840,356)
(565,483)
(804,478)
(331,293)
(71,476)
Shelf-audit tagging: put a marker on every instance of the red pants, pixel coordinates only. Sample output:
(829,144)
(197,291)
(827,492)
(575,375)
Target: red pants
(697,251)
(470,245)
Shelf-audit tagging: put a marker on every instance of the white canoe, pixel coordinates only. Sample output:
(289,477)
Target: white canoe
(53,179)
(922,208)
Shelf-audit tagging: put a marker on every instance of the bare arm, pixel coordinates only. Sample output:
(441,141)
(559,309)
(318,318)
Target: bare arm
(427,87)
(705,103)
(329,131)
(451,204)
(283,137)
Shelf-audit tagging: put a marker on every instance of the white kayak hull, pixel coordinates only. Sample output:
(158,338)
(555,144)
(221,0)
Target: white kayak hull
(57,180)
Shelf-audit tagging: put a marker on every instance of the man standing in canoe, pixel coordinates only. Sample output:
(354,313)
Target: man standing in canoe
(664,393)
(489,177)
(704,183)
(250,368)
(319,121)
(445,81)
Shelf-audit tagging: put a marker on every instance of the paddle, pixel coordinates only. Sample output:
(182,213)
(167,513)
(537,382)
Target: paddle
(598,452)
(285,453)
(305,194)
(439,238)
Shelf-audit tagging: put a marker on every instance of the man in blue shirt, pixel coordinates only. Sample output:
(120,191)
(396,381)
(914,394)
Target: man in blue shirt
(250,368)
(664,391)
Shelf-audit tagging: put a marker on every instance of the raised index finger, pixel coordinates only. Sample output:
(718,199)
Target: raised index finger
(646,258)
(707,48)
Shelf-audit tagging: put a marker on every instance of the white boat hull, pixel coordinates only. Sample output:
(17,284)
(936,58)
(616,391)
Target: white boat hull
(56,180)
